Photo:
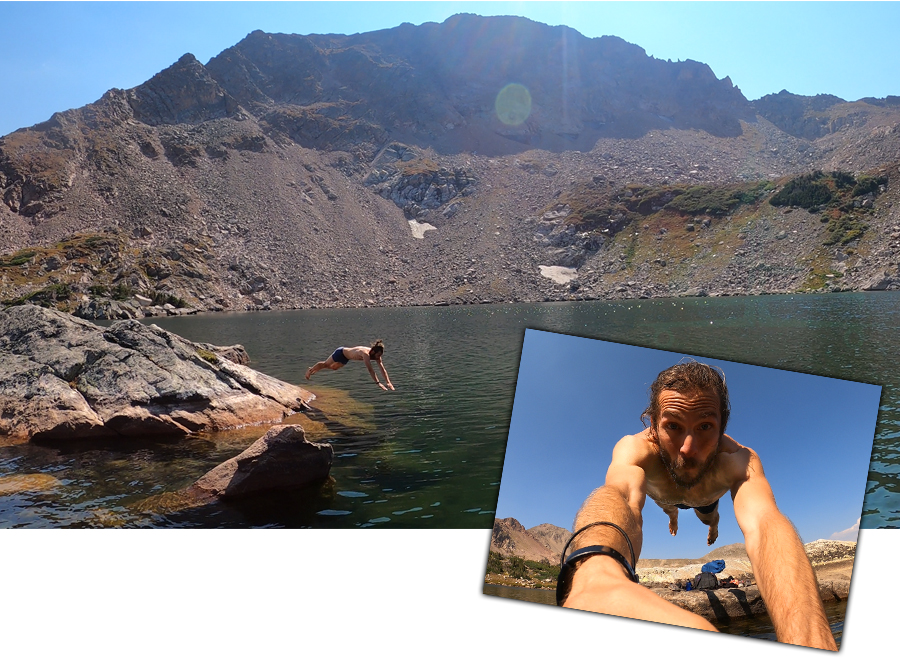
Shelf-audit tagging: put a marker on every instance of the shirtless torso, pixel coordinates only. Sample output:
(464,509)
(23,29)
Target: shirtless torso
(728,468)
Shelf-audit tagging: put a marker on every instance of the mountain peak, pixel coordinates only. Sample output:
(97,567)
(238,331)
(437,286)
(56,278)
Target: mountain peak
(182,93)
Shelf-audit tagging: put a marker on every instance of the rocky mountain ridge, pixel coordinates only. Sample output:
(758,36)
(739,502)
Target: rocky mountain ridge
(545,542)
(399,168)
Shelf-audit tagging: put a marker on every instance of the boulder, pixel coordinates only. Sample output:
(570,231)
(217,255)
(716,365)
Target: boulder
(236,353)
(281,459)
(878,282)
(63,377)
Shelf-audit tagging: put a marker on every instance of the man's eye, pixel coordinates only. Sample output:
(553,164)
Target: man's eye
(706,426)
(671,425)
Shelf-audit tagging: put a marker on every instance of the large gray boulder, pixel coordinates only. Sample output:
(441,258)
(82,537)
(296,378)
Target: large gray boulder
(281,459)
(878,282)
(63,377)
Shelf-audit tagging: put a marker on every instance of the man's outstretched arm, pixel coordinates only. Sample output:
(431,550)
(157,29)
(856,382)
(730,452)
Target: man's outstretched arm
(782,570)
(600,583)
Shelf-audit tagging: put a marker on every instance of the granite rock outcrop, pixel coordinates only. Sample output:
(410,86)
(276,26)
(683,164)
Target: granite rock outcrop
(62,377)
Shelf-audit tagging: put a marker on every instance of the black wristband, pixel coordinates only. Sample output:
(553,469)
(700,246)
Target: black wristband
(567,564)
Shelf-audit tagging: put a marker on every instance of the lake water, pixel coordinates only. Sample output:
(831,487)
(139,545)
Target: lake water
(431,453)
(759,626)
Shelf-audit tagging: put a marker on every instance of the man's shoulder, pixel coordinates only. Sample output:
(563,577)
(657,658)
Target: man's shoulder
(735,458)
(633,449)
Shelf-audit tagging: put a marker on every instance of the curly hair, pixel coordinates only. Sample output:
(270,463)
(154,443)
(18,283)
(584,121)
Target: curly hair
(688,376)
(377,348)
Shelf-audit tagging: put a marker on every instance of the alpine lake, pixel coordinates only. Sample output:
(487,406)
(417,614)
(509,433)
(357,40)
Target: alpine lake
(430,454)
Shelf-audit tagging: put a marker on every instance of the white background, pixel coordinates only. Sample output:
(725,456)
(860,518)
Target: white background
(379,596)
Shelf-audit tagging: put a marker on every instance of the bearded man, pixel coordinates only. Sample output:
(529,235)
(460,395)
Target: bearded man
(684,460)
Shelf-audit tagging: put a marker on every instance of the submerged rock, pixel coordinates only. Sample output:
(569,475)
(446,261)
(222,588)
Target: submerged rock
(281,459)
(63,377)
(27,482)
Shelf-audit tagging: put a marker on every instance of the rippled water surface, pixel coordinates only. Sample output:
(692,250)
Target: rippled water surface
(431,453)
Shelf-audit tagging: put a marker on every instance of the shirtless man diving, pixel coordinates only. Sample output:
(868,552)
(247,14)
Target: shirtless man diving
(685,460)
(343,354)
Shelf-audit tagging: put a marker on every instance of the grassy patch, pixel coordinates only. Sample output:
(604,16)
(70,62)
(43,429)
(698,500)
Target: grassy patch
(420,167)
(18,259)
(844,230)
(208,356)
(717,201)
(44,297)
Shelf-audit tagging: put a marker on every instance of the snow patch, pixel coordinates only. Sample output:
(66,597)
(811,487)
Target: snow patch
(559,274)
(418,230)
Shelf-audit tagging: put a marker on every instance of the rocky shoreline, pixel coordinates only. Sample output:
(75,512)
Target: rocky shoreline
(64,378)
(832,562)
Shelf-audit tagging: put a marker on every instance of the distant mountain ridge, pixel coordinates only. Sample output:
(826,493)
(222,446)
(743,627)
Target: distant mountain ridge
(539,543)
(374,169)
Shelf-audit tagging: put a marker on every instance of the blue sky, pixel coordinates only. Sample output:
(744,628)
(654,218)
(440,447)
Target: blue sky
(576,397)
(58,56)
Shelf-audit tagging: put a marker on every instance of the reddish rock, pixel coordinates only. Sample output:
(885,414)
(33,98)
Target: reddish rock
(281,459)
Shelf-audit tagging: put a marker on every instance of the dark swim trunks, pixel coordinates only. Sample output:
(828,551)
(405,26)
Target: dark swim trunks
(705,510)
(338,356)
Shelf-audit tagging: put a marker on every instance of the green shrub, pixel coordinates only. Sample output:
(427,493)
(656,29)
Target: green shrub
(867,185)
(122,291)
(516,567)
(495,563)
(842,179)
(18,259)
(45,297)
(806,191)
(159,299)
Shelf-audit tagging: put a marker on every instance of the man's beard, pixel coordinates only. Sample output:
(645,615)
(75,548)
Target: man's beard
(676,466)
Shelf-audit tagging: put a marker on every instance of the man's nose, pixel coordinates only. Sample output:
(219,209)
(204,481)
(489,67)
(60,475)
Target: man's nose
(688,446)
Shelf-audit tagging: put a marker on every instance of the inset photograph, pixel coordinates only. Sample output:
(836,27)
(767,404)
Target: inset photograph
(682,490)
